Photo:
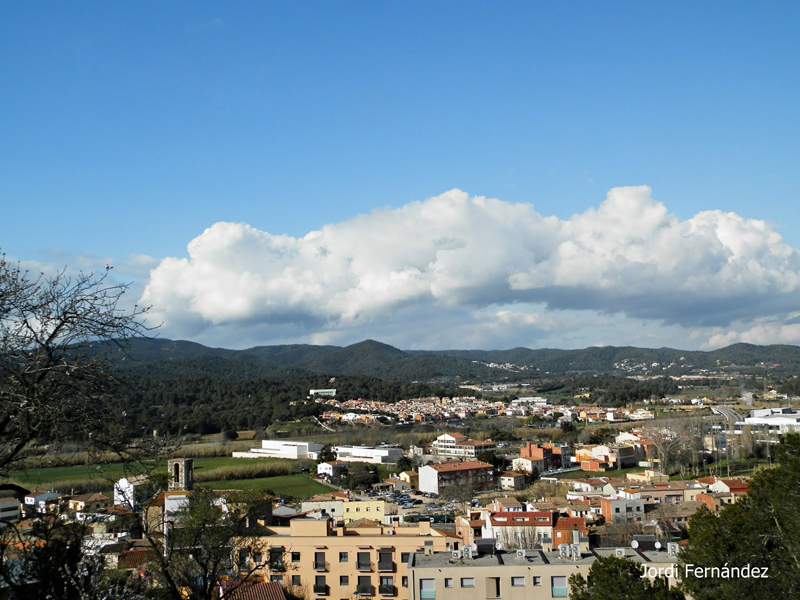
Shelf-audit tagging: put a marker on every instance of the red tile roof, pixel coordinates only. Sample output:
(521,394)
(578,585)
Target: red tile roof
(267,590)
(462,466)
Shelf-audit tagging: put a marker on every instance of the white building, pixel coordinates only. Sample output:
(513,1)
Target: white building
(128,491)
(368,454)
(282,449)
(774,420)
(327,469)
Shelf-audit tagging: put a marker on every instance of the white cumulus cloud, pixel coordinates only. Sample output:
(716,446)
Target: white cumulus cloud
(472,264)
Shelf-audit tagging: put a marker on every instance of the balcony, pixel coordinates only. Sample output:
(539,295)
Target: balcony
(364,566)
(386,566)
(277,566)
(321,589)
(365,590)
(387,590)
(321,565)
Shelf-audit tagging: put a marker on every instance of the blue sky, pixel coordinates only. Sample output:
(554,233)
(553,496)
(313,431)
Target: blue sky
(129,129)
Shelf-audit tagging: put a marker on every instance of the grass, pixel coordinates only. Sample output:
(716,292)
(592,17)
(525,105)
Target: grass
(52,476)
(296,486)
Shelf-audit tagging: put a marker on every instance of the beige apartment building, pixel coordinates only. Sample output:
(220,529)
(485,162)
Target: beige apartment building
(361,560)
(522,575)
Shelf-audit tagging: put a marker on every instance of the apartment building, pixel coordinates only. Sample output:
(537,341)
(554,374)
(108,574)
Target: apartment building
(520,575)
(363,560)
(459,446)
(342,509)
(622,510)
(477,474)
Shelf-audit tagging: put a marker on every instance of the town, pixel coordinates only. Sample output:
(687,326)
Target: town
(415,522)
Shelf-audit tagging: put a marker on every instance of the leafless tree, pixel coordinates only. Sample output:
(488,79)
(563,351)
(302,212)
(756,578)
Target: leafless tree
(59,336)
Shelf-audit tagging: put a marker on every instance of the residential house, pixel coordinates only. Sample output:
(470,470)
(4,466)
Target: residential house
(88,502)
(476,474)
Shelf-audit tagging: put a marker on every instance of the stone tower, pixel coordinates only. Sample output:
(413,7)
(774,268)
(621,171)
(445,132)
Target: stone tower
(181,473)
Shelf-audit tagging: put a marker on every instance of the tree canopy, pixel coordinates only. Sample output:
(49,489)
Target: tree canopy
(761,530)
(612,578)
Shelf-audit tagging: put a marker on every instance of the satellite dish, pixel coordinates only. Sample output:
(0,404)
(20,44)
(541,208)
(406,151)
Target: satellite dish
(499,546)
(658,545)
(634,544)
(474,546)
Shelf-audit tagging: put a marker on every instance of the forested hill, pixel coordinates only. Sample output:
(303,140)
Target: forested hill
(187,359)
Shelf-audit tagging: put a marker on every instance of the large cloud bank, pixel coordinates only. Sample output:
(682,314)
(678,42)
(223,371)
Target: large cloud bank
(458,271)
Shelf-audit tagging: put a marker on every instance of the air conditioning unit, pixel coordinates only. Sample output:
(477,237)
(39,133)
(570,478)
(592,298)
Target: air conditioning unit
(521,553)
(673,548)
(576,551)
(466,552)
(457,554)
(620,552)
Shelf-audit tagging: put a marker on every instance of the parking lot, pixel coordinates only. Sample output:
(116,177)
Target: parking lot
(409,503)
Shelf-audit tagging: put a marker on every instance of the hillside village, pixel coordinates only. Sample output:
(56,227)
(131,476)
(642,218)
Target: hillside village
(546,511)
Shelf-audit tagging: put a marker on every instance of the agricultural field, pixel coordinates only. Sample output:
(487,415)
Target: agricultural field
(295,486)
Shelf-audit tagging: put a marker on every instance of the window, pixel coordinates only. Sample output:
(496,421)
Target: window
(320,585)
(362,560)
(278,578)
(427,589)
(386,587)
(365,585)
(342,557)
(404,581)
(295,579)
(244,557)
(467,582)
(517,582)
(385,561)
(537,580)
(319,561)
(344,580)
(404,557)
(295,557)
(276,559)
(448,582)
(616,510)
(558,586)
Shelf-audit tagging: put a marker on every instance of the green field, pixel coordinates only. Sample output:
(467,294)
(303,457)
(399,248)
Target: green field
(297,486)
(113,471)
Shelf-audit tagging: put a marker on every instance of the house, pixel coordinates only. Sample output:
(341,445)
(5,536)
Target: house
(411,478)
(252,590)
(571,530)
(648,476)
(130,492)
(528,465)
(622,510)
(477,474)
(9,510)
(88,502)
(512,481)
(506,504)
(331,468)
(514,530)
(42,502)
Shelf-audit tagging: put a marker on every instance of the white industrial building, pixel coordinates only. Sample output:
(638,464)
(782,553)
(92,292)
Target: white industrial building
(368,454)
(282,449)
(774,420)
